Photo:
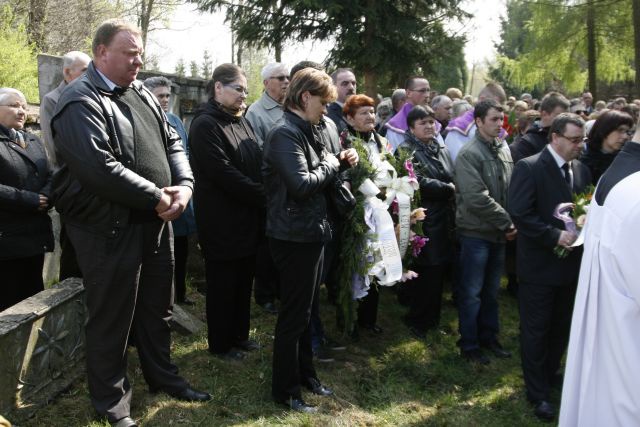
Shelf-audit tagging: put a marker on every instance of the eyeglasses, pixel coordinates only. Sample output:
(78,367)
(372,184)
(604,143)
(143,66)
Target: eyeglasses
(280,78)
(423,90)
(241,90)
(574,140)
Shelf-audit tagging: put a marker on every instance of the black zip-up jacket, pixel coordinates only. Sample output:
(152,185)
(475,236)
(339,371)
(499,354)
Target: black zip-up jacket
(229,198)
(296,175)
(96,187)
(532,142)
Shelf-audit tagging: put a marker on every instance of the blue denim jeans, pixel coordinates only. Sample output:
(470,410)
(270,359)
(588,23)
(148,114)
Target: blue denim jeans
(481,265)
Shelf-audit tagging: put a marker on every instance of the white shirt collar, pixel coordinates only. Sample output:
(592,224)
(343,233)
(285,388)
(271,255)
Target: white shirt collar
(559,160)
(109,83)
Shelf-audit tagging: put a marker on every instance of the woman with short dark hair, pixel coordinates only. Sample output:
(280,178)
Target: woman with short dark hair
(25,226)
(297,171)
(611,130)
(434,170)
(229,209)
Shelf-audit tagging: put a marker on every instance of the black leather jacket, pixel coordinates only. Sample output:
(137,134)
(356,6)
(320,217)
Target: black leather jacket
(95,186)
(434,171)
(295,177)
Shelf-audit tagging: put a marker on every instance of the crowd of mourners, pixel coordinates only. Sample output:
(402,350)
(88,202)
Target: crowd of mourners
(120,169)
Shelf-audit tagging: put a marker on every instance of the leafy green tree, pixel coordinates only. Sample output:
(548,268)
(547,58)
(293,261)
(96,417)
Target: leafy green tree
(19,66)
(207,65)
(181,69)
(383,40)
(572,45)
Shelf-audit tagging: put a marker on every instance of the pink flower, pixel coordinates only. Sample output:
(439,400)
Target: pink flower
(395,208)
(417,243)
(409,167)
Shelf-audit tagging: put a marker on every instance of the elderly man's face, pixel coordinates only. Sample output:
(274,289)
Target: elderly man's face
(346,85)
(587,98)
(276,85)
(121,60)
(443,110)
(13,112)
(78,67)
(163,93)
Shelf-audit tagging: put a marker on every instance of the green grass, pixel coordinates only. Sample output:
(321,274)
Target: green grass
(386,380)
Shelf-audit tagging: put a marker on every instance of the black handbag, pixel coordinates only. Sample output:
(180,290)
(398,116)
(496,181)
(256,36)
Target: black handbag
(340,198)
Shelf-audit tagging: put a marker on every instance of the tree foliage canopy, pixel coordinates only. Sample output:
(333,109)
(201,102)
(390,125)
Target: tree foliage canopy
(546,45)
(18,67)
(386,40)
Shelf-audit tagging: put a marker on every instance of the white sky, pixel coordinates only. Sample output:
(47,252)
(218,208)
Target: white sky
(192,32)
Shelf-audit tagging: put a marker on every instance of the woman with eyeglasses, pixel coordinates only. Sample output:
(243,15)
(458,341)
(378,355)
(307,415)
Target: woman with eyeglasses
(611,130)
(229,205)
(297,171)
(25,180)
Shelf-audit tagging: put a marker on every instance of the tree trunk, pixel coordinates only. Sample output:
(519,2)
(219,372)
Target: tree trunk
(591,48)
(278,51)
(35,25)
(370,73)
(239,50)
(636,44)
(371,84)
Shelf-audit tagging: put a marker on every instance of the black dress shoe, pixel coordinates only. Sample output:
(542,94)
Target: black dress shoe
(269,307)
(124,422)
(475,356)
(298,405)
(232,355)
(248,345)
(497,350)
(316,387)
(545,411)
(190,395)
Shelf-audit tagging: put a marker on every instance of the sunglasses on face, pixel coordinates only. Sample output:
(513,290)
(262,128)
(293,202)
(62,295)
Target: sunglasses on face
(241,90)
(281,78)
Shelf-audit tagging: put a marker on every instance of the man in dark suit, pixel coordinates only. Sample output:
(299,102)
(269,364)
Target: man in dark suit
(345,83)
(547,282)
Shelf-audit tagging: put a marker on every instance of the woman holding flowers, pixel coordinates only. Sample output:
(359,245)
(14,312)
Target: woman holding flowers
(434,171)
(359,111)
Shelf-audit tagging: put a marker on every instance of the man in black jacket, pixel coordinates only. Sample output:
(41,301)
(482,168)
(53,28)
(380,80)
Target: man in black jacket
(123,176)
(547,282)
(345,82)
(536,137)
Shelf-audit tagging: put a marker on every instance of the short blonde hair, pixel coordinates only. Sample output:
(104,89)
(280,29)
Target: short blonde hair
(317,83)
(108,30)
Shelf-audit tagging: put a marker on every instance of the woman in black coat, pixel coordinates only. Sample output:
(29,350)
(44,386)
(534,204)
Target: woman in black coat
(434,170)
(229,207)
(297,171)
(25,226)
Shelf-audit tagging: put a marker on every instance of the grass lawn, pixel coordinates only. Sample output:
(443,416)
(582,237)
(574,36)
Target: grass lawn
(386,380)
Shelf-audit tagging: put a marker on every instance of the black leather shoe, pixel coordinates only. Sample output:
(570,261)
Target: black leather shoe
(190,395)
(374,329)
(497,350)
(124,422)
(545,411)
(232,355)
(317,388)
(475,356)
(298,405)
(269,307)
(248,345)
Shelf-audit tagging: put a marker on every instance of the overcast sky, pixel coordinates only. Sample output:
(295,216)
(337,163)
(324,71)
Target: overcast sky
(192,32)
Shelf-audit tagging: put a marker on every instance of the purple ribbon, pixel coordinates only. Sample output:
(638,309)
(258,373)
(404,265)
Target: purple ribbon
(563,213)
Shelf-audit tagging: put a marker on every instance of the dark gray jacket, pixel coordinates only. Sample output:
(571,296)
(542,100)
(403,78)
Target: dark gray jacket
(96,187)
(295,178)
(24,174)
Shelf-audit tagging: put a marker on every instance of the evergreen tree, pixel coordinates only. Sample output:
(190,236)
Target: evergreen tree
(195,70)
(207,65)
(180,68)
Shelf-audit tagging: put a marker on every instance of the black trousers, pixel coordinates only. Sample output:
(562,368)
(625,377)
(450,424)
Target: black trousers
(266,280)
(545,322)
(425,297)
(181,252)
(368,307)
(228,301)
(21,279)
(68,261)
(128,281)
(300,269)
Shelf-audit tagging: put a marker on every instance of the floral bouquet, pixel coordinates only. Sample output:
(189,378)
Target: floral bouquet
(574,216)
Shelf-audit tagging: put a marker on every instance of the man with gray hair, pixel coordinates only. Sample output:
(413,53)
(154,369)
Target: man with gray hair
(441,105)
(74,64)
(267,110)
